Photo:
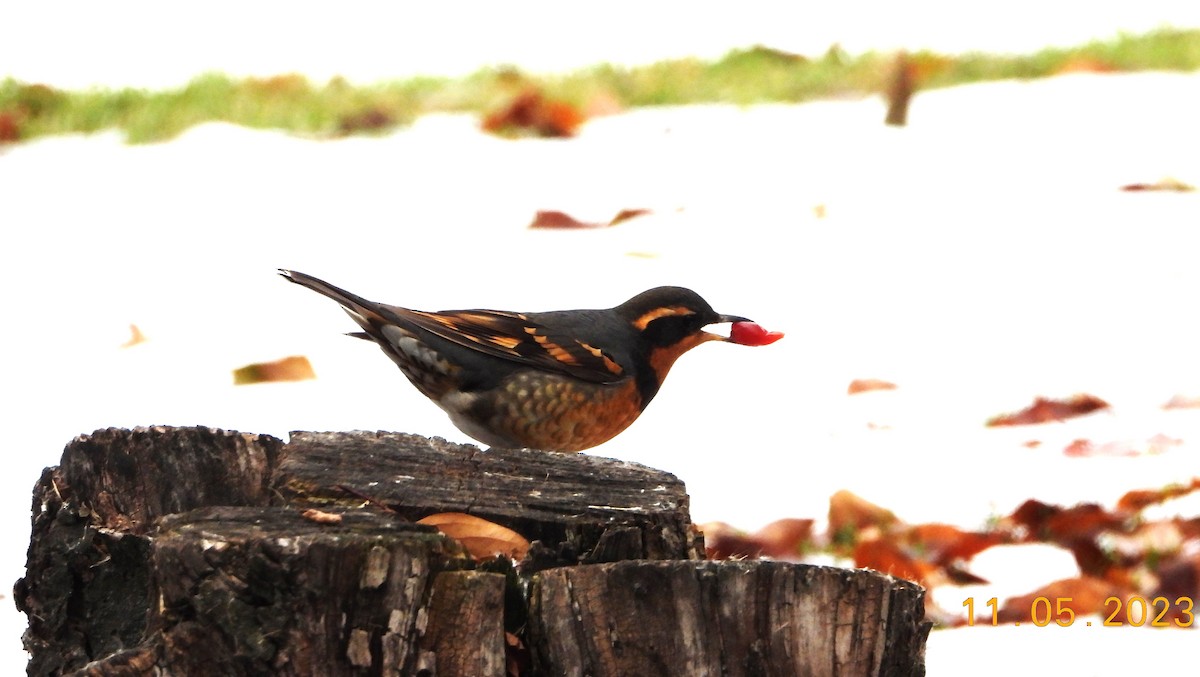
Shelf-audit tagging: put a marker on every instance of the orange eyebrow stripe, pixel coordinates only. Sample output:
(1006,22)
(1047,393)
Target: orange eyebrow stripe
(666,311)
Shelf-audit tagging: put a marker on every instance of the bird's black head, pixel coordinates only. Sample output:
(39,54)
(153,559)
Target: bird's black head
(669,321)
(665,316)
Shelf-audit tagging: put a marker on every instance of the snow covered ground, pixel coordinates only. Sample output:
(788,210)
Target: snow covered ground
(979,257)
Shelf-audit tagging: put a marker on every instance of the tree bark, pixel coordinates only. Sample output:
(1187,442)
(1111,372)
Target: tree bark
(190,551)
(725,619)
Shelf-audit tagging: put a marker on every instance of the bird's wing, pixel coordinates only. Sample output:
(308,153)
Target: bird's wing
(513,336)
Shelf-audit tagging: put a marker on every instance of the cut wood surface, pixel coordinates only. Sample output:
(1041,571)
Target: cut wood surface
(725,618)
(190,551)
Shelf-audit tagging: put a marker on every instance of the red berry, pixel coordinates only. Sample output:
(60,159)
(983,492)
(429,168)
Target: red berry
(751,334)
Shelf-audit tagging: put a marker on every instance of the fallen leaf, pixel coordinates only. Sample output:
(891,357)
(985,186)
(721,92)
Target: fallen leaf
(1044,410)
(1062,602)
(944,543)
(724,541)
(866,385)
(627,214)
(321,517)
(1179,576)
(135,337)
(295,368)
(1183,402)
(482,539)
(1056,524)
(556,219)
(1155,445)
(850,514)
(1136,500)
(890,558)
(786,538)
(1166,184)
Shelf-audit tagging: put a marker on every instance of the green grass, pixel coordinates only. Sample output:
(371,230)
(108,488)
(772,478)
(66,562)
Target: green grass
(336,108)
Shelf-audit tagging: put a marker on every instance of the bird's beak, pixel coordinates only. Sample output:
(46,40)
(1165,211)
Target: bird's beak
(723,319)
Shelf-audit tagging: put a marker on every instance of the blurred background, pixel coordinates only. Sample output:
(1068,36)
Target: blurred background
(1029,231)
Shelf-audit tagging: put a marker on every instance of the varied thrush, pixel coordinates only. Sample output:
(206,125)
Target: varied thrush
(559,381)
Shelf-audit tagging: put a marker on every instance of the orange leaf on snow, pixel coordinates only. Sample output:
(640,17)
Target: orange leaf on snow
(1155,445)
(865,385)
(785,538)
(1058,525)
(295,368)
(1183,402)
(555,219)
(1167,184)
(943,543)
(1179,576)
(1062,601)
(723,541)
(888,557)
(850,514)
(482,539)
(1044,410)
(135,337)
(627,214)
(1136,500)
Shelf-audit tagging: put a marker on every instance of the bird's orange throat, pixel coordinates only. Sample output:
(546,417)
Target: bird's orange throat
(661,359)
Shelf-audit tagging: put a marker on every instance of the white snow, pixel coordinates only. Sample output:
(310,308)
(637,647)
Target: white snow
(979,257)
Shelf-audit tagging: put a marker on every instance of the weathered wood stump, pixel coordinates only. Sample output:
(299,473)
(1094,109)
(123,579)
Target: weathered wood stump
(189,552)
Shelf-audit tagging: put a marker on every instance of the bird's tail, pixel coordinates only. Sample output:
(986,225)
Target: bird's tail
(359,308)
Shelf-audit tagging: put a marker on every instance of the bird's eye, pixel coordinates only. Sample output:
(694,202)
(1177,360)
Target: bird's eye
(671,329)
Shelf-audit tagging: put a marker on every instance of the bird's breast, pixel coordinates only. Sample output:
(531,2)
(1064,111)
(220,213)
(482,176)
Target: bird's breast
(542,410)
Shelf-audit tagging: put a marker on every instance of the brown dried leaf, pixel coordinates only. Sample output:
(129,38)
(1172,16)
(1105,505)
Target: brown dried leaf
(627,214)
(1183,402)
(1136,500)
(1044,410)
(135,337)
(321,517)
(1056,524)
(944,543)
(850,514)
(786,538)
(723,541)
(482,539)
(1165,184)
(864,385)
(555,219)
(1178,577)
(294,368)
(1155,445)
(1057,601)
(888,557)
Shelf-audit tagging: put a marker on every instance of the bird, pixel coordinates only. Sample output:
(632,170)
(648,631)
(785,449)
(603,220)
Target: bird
(562,381)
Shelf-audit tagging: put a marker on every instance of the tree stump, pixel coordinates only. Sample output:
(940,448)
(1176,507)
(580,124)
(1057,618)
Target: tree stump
(190,551)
